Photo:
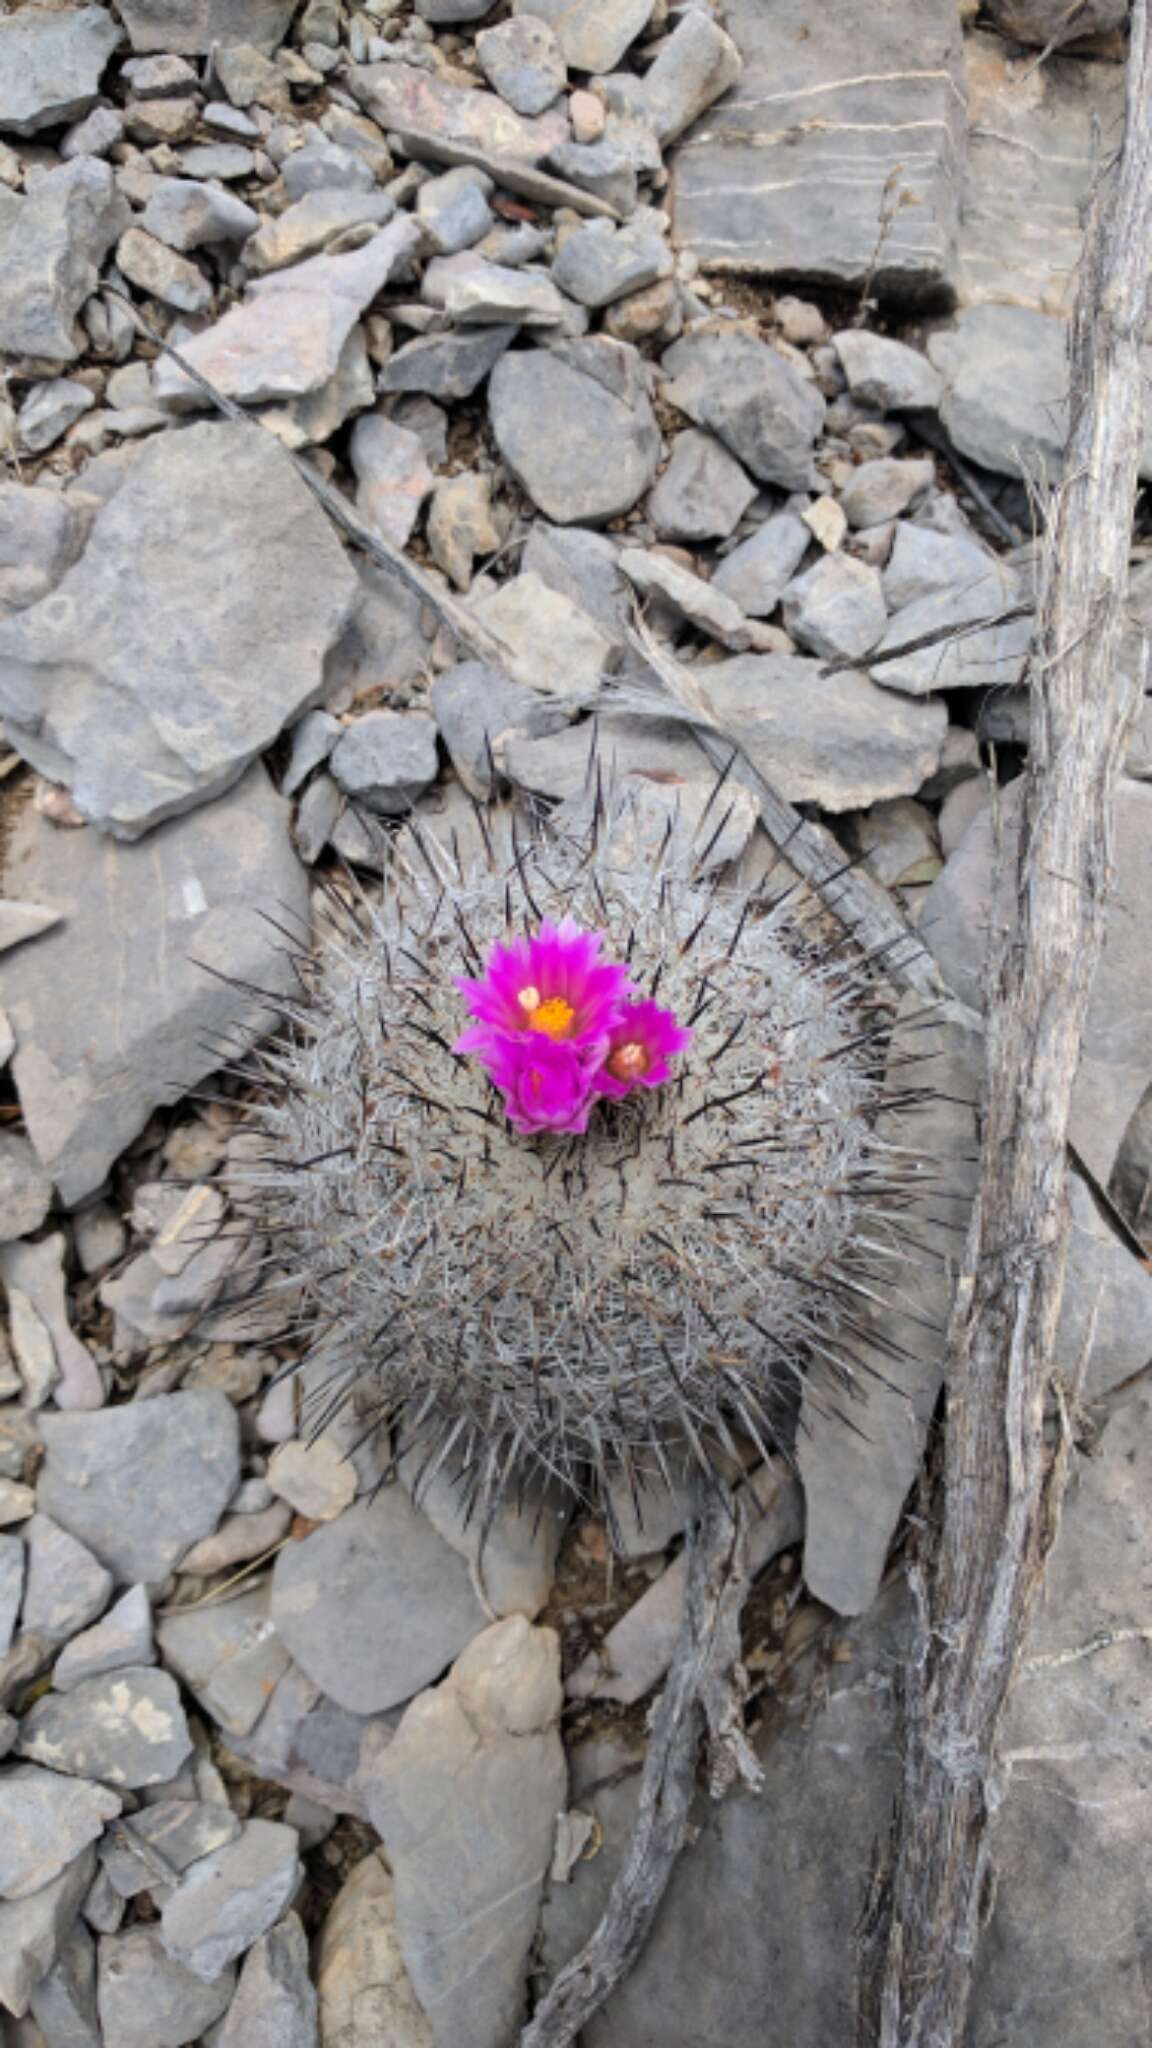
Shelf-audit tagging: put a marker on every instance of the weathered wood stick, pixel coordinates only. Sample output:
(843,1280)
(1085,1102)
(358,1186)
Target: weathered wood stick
(1000,1489)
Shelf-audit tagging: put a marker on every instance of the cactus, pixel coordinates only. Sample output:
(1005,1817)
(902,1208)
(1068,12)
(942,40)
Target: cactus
(605,1298)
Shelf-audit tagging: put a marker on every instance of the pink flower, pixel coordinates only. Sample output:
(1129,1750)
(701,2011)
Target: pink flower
(553,986)
(545,1084)
(640,1045)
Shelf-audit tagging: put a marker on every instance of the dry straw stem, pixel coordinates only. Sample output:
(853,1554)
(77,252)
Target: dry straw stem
(1000,1490)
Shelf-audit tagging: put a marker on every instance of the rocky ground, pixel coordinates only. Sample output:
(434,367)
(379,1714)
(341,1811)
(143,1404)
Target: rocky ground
(584,305)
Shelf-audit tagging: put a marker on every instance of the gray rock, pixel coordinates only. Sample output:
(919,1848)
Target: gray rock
(316,814)
(607,169)
(1106,1313)
(954,923)
(153,267)
(33,1928)
(833,740)
(836,608)
(66,1586)
(312,223)
(302,422)
(687,597)
(764,188)
(387,636)
(218,160)
(883,489)
(139,742)
(312,742)
(446,365)
(898,841)
(53,240)
(192,33)
(11,1588)
(48,412)
(992,654)
(757,572)
(307,1743)
(124,1636)
(461,526)
(453,209)
(477,709)
(173,1832)
(393,478)
(585,567)
(25,1189)
(64,2002)
(452,123)
(187,1443)
(1005,402)
(157,78)
(512,1555)
(1048,23)
(386,760)
(575,426)
(51,65)
(752,399)
(147,2000)
(524,60)
(885,373)
(47,1819)
(365,1993)
(444,12)
(474,292)
(702,494)
(275,2004)
(669,784)
(694,66)
(468,1892)
(924,563)
(375,1604)
(227,1900)
(103,1907)
(38,1271)
(548,643)
(599,264)
(41,534)
(320,165)
(228,1656)
(90,1072)
(593,34)
(185,214)
(285,337)
(126,1729)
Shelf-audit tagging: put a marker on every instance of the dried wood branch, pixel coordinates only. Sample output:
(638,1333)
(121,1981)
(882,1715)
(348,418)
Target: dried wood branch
(1000,1488)
(705,1689)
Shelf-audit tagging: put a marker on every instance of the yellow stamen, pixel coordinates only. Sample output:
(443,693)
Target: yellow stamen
(628,1062)
(552,1017)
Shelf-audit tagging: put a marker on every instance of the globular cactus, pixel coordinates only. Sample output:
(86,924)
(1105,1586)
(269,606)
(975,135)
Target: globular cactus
(649,1281)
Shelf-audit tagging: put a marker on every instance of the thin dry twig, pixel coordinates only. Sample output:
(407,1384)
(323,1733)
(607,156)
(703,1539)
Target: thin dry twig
(1001,1488)
(705,1691)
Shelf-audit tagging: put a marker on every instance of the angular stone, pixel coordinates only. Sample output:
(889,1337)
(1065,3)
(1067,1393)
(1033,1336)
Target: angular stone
(137,741)
(45,1821)
(694,66)
(11,1588)
(33,1928)
(315,1478)
(52,242)
(218,160)
(836,608)
(923,563)
(429,116)
(199,24)
(757,572)
(374,1605)
(48,412)
(886,373)
(307,227)
(392,475)
(386,640)
(585,567)
(302,422)
(773,190)
(453,209)
(126,1728)
(599,264)
(41,534)
(525,62)
(486,1742)
(461,526)
(123,1637)
(883,489)
(185,214)
(227,1900)
(982,655)
(37,1269)
(549,644)
(66,1587)
(228,1656)
(512,1554)
(173,1832)
(752,400)
(365,1992)
(326,165)
(51,64)
(477,710)
(703,492)
(575,426)
(276,2003)
(307,1743)
(687,597)
(386,760)
(147,2000)
(286,336)
(153,267)
(64,2002)
(898,841)
(446,365)
(187,1443)
(476,293)
(25,1189)
(1047,23)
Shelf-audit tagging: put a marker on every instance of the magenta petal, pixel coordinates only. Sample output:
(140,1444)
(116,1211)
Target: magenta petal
(545,1085)
(560,963)
(658,1035)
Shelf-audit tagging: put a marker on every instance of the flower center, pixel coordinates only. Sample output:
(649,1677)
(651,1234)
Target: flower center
(628,1062)
(551,1018)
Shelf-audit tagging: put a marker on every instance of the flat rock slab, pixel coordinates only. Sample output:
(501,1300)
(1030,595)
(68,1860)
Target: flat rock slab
(141,925)
(366,1996)
(148,681)
(375,1604)
(466,1798)
(53,241)
(66,1587)
(45,1821)
(416,104)
(50,66)
(141,1483)
(125,1729)
(788,174)
(148,2000)
(275,2004)
(226,1901)
(228,1655)
(575,426)
(33,1928)
(191,28)
(124,1636)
